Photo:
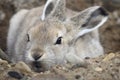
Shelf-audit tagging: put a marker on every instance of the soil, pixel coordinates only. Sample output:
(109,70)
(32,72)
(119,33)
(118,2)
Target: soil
(106,67)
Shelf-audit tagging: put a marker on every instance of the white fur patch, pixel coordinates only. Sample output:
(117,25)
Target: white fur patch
(14,25)
(29,56)
(17,19)
(72,57)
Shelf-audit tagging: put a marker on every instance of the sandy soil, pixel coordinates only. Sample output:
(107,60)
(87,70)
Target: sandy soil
(105,67)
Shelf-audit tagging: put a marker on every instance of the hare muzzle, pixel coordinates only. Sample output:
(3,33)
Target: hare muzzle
(37,54)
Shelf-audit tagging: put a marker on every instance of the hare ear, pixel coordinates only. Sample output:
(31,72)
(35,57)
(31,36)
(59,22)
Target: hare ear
(89,20)
(54,8)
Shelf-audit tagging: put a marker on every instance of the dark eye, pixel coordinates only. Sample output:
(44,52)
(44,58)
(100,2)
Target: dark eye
(59,40)
(28,38)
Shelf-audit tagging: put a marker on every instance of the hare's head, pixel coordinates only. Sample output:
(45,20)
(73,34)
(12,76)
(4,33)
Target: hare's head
(55,34)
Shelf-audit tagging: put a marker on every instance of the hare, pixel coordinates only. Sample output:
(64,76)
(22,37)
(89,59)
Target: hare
(53,35)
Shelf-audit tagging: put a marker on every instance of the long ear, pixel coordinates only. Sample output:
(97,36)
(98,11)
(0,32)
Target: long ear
(88,20)
(54,8)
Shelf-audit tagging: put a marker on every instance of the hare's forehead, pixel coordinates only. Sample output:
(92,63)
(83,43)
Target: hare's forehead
(49,29)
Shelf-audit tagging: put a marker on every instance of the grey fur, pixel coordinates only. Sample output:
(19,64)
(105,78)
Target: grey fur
(78,42)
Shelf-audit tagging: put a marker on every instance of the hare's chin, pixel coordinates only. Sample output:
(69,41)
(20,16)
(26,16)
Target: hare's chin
(39,66)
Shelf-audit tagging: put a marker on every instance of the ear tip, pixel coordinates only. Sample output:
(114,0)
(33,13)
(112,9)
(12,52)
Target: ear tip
(103,11)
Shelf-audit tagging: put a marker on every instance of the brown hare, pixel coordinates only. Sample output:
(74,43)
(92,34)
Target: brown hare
(53,35)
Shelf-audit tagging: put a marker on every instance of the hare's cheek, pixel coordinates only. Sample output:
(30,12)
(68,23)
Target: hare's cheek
(59,50)
(28,56)
(28,46)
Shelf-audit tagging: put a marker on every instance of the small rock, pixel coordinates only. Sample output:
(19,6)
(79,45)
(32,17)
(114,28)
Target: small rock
(15,75)
(23,67)
(3,62)
(98,69)
(4,65)
(109,57)
(77,76)
(47,72)
(83,65)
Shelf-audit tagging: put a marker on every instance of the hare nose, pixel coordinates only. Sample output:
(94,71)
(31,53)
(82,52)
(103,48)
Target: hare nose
(36,56)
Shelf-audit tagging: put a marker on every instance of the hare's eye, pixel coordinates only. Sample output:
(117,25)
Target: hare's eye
(59,40)
(28,38)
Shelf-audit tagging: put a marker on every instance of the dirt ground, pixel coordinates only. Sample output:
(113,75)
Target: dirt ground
(106,67)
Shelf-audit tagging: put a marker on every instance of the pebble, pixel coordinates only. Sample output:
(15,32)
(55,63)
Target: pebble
(98,69)
(15,75)
(3,62)
(23,67)
(109,57)
(77,76)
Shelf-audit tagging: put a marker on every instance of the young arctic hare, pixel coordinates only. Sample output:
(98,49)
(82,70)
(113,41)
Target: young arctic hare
(49,35)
